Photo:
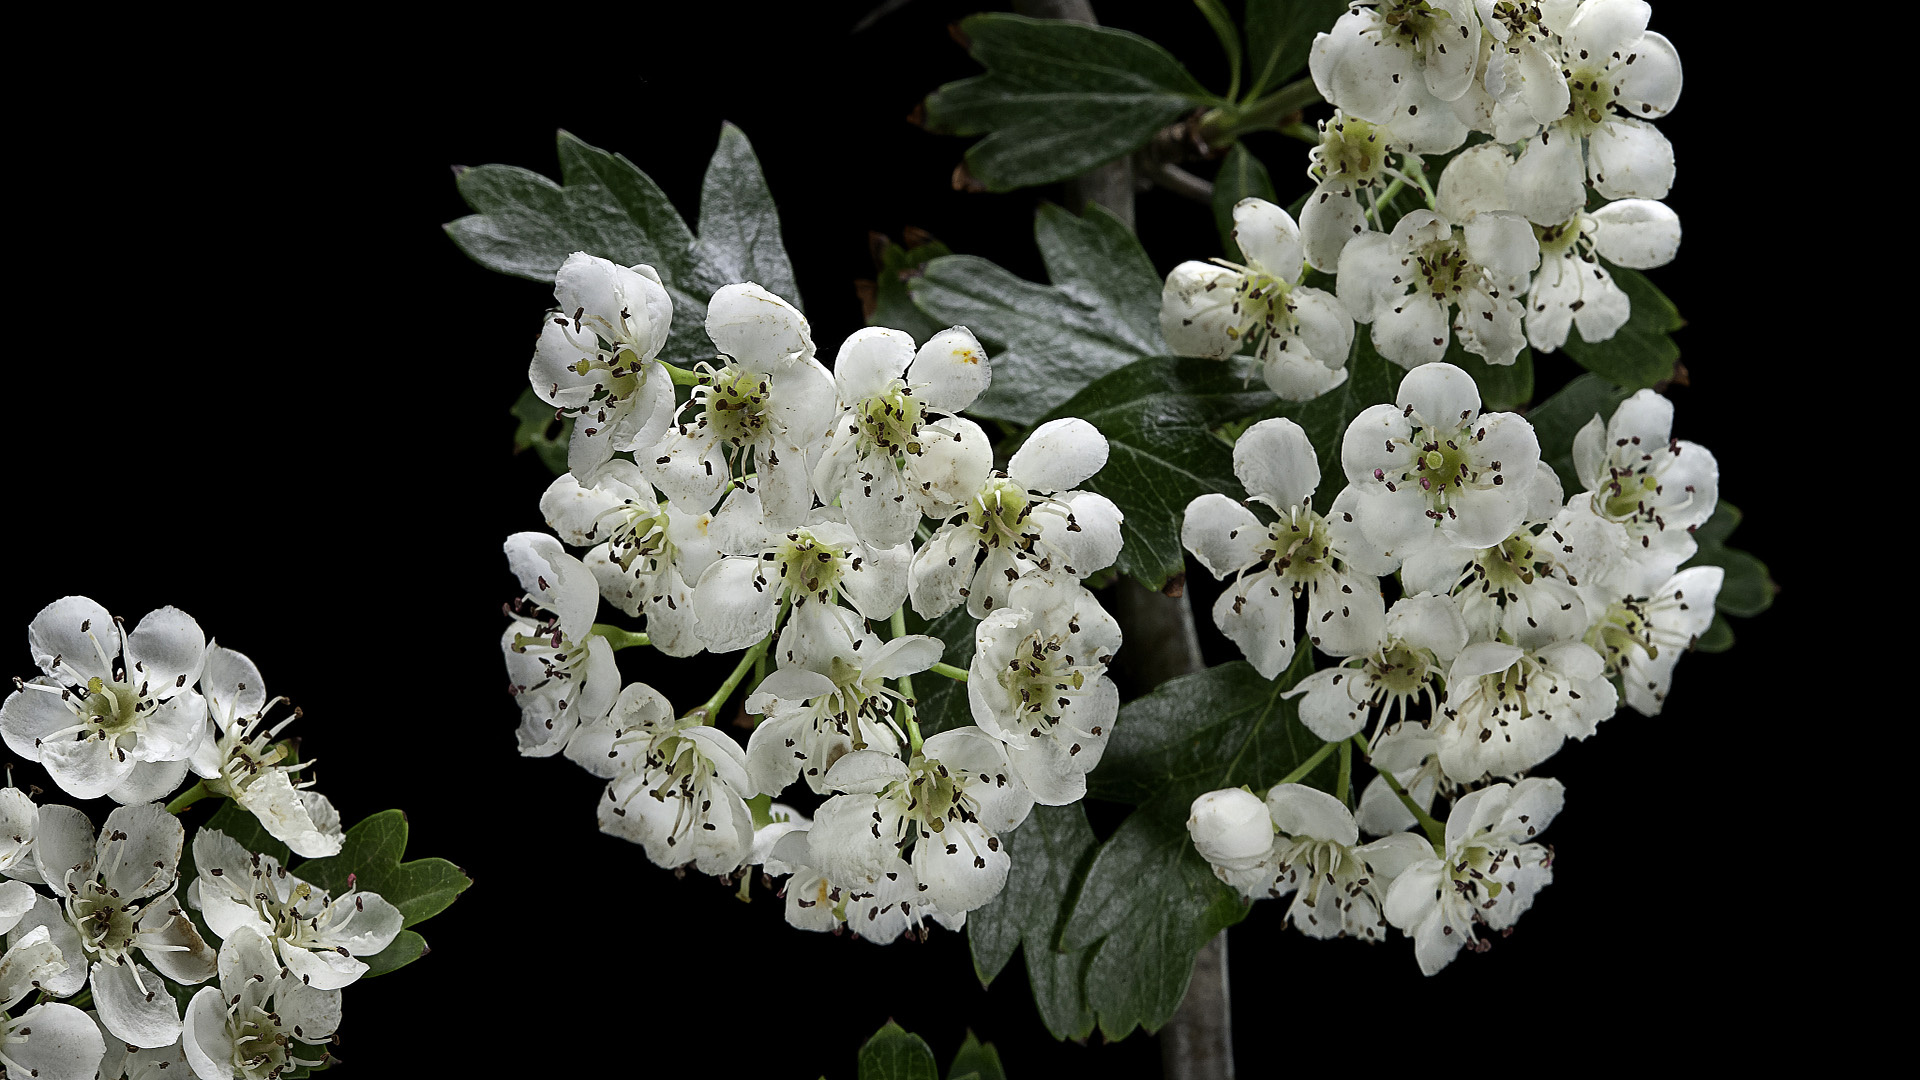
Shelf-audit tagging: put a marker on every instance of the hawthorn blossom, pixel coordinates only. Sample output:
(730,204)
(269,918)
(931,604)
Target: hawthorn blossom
(561,673)
(1352,160)
(949,805)
(1573,287)
(1022,521)
(830,704)
(1618,75)
(1419,637)
(115,897)
(51,1040)
(1431,468)
(317,937)
(764,413)
(242,762)
(1657,487)
(1489,873)
(1396,56)
(112,710)
(1300,553)
(887,396)
(880,911)
(679,789)
(646,551)
(1406,282)
(1510,708)
(1642,638)
(123,1062)
(594,361)
(254,1024)
(1038,683)
(1302,333)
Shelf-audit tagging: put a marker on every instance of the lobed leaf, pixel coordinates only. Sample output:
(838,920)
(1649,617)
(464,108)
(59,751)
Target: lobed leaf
(371,855)
(1748,588)
(893,1053)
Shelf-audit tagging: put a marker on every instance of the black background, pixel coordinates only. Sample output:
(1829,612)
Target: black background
(256,381)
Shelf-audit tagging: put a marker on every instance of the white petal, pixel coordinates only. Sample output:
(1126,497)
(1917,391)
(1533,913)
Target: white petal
(1640,233)
(1475,181)
(1412,331)
(148,1018)
(1222,534)
(1059,455)
(1299,810)
(65,1044)
(950,370)
(1503,242)
(75,639)
(1441,394)
(1548,184)
(869,361)
(1650,86)
(1197,314)
(1368,265)
(1269,238)
(734,604)
(1331,217)
(1275,461)
(1257,615)
(1630,159)
(757,329)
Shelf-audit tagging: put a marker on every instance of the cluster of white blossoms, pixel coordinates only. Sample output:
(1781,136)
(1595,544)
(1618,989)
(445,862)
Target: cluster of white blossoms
(779,509)
(1514,245)
(1521,616)
(97,921)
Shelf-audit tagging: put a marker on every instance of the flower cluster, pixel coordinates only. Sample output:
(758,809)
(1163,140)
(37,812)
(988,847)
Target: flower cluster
(1522,617)
(101,918)
(779,509)
(1561,176)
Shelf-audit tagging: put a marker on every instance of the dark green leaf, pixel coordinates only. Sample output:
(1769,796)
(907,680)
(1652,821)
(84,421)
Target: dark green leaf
(940,702)
(1640,354)
(1158,416)
(739,226)
(1279,33)
(1048,341)
(1371,380)
(371,855)
(1718,638)
(1058,98)
(1559,418)
(976,1061)
(1747,589)
(1051,851)
(896,1054)
(1223,727)
(405,949)
(541,431)
(1149,902)
(1503,387)
(893,305)
(1223,28)
(1241,177)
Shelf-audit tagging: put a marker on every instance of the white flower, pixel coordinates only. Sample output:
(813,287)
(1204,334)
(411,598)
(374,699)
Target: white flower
(1418,638)
(646,552)
(831,704)
(679,787)
(316,936)
(1643,638)
(19,821)
(251,1025)
(1659,488)
(887,393)
(1510,708)
(115,896)
(50,1041)
(595,358)
(243,763)
(950,803)
(1431,469)
(1301,552)
(765,413)
(1404,283)
(561,674)
(1233,831)
(1302,333)
(1573,287)
(1380,58)
(1521,82)
(879,911)
(1038,683)
(1619,75)
(814,564)
(1351,160)
(113,710)
(1022,521)
(1490,873)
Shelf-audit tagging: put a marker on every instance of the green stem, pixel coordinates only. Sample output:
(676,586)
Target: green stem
(1417,169)
(951,672)
(1436,832)
(188,797)
(1345,783)
(1273,112)
(1304,132)
(682,376)
(1385,198)
(1307,766)
(711,709)
(897,627)
(617,637)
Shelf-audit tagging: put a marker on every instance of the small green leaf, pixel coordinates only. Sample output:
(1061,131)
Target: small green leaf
(406,948)
(976,1061)
(371,855)
(1058,98)
(1220,728)
(897,1054)
(1047,341)
(1242,176)
(893,305)
(1748,589)
(1503,387)
(1559,418)
(1279,33)
(1718,638)
(1223,28)
(541,431)
(1149,903)
(1050,851)
(1640,354)
(739,225)
(1158,416)
(939,702)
